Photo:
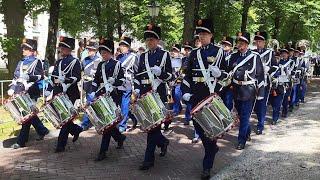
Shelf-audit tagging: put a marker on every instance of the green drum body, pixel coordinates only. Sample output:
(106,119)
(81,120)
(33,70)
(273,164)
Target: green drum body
(59,110)
(150,111)
(213,116)
(21,107)
(103,113)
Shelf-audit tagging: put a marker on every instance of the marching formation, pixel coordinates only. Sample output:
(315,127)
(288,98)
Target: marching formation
(219,84)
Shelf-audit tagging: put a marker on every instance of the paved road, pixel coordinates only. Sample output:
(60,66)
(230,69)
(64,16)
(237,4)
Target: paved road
(280,147)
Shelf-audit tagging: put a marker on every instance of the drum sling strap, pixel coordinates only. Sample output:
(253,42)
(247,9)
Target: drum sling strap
(154,82)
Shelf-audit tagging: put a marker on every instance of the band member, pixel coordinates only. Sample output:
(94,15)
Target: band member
(195,88)
(128,59)
(226,93)
(280,81)
(28,72)
(286,65)
(295,77)
(304,66)
(65,76)
(108,77)
(268,59)
(176,63)
(89,67)
(247,82)
(187,50)
(158,71)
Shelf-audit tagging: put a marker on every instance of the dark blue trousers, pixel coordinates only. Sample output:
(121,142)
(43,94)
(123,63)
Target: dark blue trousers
(115,133)
(227,97)
(261,110)
(24,132)
(68,128)
(210,147)
(244,109)
(155,138)
(276,102)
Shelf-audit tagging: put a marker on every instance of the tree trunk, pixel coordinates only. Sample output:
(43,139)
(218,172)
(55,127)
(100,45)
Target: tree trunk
(196,9)
(276,26)
(189,19)
(119,22)
(52,31)
(245,9)
(14,12)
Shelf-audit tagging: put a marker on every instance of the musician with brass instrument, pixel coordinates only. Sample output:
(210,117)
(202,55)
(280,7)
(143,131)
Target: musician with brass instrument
(108,77)
(226,91)
(28,72)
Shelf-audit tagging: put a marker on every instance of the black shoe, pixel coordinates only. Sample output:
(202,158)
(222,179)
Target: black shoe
(76,136)
(205,174)
(249,137)
(120,143)
(290,109)
(101,157)
(164,148)
(166,128)
(41,137)
(240,146)
(273,122)
(59,150)
(195,140)
(146,166)
(259,132)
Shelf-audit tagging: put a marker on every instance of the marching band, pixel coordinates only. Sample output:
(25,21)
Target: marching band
(213,81)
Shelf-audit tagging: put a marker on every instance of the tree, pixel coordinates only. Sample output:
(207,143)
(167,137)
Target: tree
(52,31)
(14,12)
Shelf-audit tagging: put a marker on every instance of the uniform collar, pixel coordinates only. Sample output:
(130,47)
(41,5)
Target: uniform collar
(206,46)
(260,51)
(244,54)
(153,51)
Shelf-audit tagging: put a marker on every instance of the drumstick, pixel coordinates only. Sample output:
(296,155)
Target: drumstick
(138,74)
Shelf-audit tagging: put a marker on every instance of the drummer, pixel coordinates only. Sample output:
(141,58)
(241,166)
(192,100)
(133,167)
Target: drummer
(65,76)
(89,65)
(158,71)
(108,77)
(195,88)
(28,72)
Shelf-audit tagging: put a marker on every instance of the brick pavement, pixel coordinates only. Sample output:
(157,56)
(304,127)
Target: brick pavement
(183,160)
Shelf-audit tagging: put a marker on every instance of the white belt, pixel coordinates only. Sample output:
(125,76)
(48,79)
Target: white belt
(243,82)
(201,79)
(146,81)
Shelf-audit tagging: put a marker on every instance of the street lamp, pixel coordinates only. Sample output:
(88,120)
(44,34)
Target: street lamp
(153,9)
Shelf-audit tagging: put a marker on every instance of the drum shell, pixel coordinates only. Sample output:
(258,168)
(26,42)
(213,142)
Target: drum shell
(103,113)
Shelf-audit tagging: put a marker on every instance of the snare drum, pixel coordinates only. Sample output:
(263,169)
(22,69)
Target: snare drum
(213,116)
(103,113)
(21,107)
(150,111)
(59,110)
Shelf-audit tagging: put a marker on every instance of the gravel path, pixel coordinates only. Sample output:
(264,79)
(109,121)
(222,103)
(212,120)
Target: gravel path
(290,150)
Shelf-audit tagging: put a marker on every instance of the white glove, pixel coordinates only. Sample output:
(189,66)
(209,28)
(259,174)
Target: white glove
(61,79)
(47,93)
(214,70)
(108,88)
(186,96)
(10,92)
(111,80)
(137,91)
(266,69)
(156,70)
(24,76)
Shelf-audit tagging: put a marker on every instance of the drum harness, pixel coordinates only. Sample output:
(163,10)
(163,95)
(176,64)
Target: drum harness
(154,82)
(206,74)
(66,71)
